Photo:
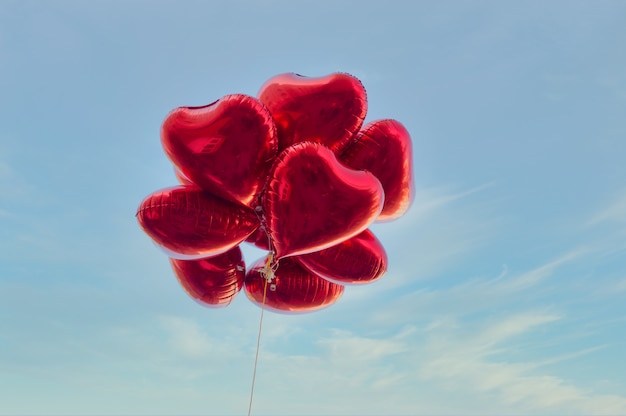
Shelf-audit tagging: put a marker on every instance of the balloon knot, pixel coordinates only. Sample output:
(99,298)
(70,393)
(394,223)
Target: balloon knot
(270,267)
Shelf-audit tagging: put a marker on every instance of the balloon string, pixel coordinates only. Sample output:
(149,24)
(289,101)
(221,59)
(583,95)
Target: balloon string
(268,273)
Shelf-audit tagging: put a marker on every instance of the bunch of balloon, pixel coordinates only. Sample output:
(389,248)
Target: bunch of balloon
(292,171)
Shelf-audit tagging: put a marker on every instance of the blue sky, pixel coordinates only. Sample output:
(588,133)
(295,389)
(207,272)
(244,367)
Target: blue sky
(505,292)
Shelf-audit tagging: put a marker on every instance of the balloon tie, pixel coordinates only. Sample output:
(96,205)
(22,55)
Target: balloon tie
(268,273)
(270,268)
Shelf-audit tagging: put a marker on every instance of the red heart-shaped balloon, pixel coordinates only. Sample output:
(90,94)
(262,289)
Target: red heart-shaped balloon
(360,259)
(313,202)
(293,288)
(327,110)
(212,281)
(189,223)
(226,147)
(384,148)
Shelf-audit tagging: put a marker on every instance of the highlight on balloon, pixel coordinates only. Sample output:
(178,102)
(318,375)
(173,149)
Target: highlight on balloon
(293,171)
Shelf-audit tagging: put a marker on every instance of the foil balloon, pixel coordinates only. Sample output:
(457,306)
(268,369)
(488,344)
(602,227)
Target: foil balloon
(361,259)
(293,289)
(313,202)
(293,172)
(259,239)
(213,281)
(383,148)
(327,110)
(182,179)
(188,223)
(226,147)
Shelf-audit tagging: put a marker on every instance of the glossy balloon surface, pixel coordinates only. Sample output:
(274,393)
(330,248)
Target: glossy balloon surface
(188,222)
(213,281)
(327,110)
(314,202)
(226,147)
(384,148)
(361,259)
(182,179)
(259,238)
(293,289)
(294,172)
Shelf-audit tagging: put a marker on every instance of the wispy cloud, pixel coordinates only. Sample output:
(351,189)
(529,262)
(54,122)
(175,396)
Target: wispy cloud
(473,295)
(429,200)
(187,338)
(534,276)
(613,212)
(440,226)
(343,344)
(462,363)
(512,326)
(413,370)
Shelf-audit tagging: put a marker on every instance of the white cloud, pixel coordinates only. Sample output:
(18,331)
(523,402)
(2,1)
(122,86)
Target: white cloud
(471,296)
(186,337)
(344,344)
(440,226)
(429,200)
(454,355)
(512,326)
(466,362)
(535,276)
(614,212)
(569,356)
(452,366)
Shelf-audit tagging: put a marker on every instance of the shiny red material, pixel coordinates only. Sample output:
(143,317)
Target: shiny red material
(361,259)
(182,179)
(259,239)
(314,202)
(188,223)
(226,147)
(213,281)
(293,289)
(384,148)
(327,110)
(293,171)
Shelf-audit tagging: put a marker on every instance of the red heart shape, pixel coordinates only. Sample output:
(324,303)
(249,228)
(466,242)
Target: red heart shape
(361,259)
(189,223)
(293,288)
(213,281)
(384,148)
(226,147)
(327,110)
(313,202)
